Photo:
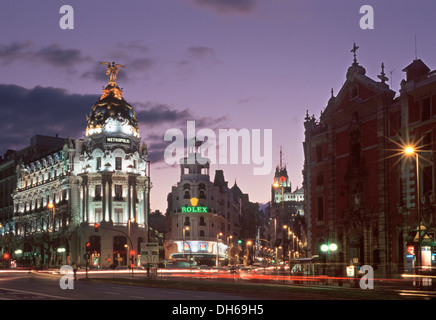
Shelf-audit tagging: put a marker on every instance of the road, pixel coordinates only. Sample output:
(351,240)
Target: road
(45,286)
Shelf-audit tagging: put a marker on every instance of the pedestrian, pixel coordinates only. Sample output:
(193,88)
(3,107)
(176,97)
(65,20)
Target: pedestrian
(74,265)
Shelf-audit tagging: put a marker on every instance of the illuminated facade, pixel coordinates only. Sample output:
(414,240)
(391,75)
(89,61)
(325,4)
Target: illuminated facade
(360,190)
(102,179)
(202,215)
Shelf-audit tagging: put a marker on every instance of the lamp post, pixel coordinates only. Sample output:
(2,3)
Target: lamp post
(51,206)
(285,227)
(183,246)
(229,247)
(411,151)
(327,248)
(128,249)
(217,249)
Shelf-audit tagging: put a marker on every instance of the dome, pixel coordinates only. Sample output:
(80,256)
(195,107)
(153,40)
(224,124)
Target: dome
(112,114)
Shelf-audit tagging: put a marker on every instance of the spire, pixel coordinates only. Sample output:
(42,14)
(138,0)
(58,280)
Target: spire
(354,50)
(382,75)
(355,68)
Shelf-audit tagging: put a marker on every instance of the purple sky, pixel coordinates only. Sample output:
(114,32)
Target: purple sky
(255,64)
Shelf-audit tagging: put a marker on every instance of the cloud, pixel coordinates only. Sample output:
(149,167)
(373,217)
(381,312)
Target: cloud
(57,56)
(46,111)
(50,111)
(200,52)
(15,51)
(53,54)
(228,6)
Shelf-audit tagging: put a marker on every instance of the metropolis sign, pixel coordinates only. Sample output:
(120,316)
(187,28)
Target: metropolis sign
(118,140)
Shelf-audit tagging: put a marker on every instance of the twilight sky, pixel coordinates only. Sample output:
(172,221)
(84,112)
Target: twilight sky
(255,64)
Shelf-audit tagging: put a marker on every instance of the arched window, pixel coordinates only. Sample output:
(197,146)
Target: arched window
(202,222)
(187,222)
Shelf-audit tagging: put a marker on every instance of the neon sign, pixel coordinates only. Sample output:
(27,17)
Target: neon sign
(194,209)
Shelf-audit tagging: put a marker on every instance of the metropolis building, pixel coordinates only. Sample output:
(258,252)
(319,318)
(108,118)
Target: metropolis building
(90,197)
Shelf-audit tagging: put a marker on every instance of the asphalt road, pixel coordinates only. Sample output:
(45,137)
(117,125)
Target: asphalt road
(45,286)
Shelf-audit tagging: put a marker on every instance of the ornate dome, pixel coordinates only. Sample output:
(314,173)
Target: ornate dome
(112,114)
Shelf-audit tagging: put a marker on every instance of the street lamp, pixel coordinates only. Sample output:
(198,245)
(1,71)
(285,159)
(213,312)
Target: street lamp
(217,249)
(183,246)
(51,206)
(411,151)
(327,248)
(128,252)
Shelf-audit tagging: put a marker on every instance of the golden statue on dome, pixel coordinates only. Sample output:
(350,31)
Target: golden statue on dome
(112,71)
(112,88)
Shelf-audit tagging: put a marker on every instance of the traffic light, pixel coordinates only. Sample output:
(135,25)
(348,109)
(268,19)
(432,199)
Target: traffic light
(6,256)
(96,226)
(88,246)
(132,253)
(239,241)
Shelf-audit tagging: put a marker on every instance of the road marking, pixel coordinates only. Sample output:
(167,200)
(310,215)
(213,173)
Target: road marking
(35,293)
(108,292)
(137,297)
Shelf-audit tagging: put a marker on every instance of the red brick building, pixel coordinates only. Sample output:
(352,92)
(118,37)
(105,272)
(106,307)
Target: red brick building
(359,186)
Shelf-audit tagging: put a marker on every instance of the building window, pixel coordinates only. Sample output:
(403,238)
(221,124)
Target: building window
(187,222)
(202,222)
(425,109)
(426,142)
(320,207)
(98,216)
(118,192)
(320,178)
(97,195)
(202,234)
(118,216)
(427,181)
(202,193)
(98,167)
(319,153)
(118,163)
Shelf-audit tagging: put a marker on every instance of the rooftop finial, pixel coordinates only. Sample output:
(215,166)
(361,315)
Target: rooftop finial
(354,50)
(382,75)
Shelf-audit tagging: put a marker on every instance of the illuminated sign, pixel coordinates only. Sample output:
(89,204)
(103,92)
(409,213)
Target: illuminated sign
(194,209)
(117,140)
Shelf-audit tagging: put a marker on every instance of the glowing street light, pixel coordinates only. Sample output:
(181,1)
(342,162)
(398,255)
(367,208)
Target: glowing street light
(51,206)
(410,151)
(184,234)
